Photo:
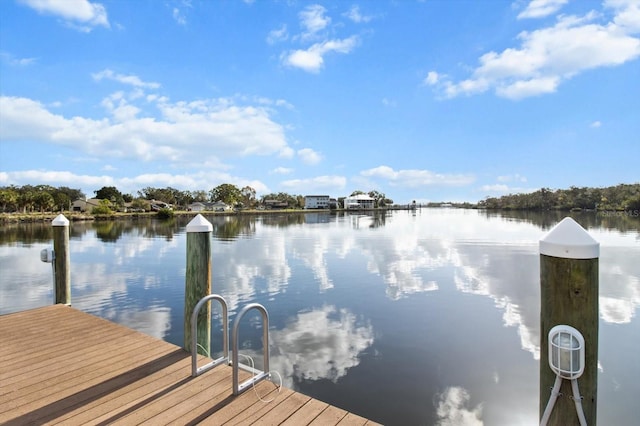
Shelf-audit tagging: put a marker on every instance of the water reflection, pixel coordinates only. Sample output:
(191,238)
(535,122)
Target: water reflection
(320,344)
(440,306)
(453,408)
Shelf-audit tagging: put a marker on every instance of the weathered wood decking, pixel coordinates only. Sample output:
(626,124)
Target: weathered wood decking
(60,365)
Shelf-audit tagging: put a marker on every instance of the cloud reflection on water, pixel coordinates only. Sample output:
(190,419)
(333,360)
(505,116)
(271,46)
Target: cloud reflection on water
(323,343)
(452,408)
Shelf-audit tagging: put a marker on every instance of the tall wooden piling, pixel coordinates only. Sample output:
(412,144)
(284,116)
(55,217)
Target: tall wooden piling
(569,296)
(198,282)
(61,260)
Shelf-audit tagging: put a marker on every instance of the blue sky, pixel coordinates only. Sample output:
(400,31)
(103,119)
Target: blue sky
(430,100)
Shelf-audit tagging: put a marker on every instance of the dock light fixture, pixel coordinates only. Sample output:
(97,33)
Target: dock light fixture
(566,359)
(47,255)
(566,352)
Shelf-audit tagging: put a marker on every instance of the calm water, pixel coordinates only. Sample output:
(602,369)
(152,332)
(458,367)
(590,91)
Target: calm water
(409,318)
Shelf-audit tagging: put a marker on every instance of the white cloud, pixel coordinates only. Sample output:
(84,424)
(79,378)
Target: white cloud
(548,56)
(389,103)
(512,178)
(627,14)
(355,15)
(415,178)
(498,187)
(195,132)
(282,171)
(277,35)
(596,124)
(316,42)
(286,152)
(132,80)
(319,183)
(309,156)
(312,59)
(13,61)
(73,12)
(432,78)
(313,20)
(541,8)
(452,409)
(503,188)
(179,17)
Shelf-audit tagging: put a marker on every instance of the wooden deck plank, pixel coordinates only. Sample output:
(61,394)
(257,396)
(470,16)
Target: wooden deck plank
(352,420)
(306,414)
(165,401)
(282,411)
(80,408)
(330,415)
(45,398)
(73,363)
(62,366)
(198,404)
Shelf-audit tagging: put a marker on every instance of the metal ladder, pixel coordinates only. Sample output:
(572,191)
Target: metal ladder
(258,375)
(195,371)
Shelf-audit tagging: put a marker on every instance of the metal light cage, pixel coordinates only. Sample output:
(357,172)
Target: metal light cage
(566,351)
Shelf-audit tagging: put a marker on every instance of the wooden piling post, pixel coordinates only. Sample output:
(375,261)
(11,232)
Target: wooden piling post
(198,282)
(61,260)
(569,296)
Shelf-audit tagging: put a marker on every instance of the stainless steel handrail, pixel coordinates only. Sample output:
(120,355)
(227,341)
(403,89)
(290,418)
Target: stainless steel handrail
(258,375)
(195,370)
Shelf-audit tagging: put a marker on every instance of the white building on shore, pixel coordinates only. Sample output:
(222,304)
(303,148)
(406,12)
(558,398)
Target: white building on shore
(316,201)
(360,201)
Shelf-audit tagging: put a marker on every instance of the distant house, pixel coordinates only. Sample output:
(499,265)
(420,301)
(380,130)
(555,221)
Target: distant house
(219,206)
(197,207)
(360,201)
(275,204)
(316,201)
(84,205)
(157,205)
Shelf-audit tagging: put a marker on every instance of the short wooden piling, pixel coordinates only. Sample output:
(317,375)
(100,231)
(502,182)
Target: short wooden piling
(198,282)
(61,260)
(569,296)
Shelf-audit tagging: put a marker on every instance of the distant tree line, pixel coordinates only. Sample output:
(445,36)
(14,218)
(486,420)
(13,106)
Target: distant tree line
(619,197)
(44,198)
(39,198)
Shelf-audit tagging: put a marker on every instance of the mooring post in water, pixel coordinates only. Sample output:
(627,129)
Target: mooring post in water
(198,282)
(569,296)
(61,260)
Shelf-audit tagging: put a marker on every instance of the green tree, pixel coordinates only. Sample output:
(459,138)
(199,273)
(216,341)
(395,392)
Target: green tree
(140,204)
(43,201)
(9,199)
(248,196)
(200,196)
(104,208)
(378,198)
(61,201)
(72,194)
(110,193)
(26,199)
(227,193)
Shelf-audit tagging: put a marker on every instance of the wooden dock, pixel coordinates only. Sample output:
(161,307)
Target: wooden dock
(62,366)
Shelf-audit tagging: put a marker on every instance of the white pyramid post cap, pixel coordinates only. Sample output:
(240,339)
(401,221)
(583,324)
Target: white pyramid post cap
(199,224)
(60,220)
(569,240)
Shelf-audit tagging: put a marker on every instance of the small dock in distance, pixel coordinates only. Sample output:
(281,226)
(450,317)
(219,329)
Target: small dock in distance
(62,366)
